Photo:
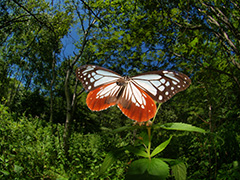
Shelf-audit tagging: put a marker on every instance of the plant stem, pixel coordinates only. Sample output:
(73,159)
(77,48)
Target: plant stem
(149,142)
(159,105)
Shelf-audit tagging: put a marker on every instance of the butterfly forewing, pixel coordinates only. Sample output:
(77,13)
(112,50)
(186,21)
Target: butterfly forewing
(161,85)
(92,76)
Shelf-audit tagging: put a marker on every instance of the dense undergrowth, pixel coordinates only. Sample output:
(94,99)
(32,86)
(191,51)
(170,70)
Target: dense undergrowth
(33,149)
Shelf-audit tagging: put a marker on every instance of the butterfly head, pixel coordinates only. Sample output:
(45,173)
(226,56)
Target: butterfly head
(123,81)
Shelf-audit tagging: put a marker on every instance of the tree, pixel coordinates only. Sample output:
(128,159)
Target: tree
(31,37)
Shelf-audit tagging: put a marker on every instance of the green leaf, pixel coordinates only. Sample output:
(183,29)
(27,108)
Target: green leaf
(194,42)
(179,171)
(205,64)
(161,147)
(182,127)
(109,160)
(6,173)
(175,11)
(18,169)
(143,169)
(139,151)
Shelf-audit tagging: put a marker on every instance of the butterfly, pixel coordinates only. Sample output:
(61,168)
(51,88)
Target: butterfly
(135,96)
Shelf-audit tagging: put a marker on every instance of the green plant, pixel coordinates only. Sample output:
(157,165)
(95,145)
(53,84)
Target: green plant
(150,166)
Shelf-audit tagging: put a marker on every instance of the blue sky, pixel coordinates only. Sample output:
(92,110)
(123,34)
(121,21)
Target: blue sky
(68,43)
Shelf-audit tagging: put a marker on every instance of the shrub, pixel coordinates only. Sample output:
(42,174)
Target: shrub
(33,149)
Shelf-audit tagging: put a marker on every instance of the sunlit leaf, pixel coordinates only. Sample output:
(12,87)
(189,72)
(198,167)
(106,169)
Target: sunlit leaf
(181,127)
(161,147)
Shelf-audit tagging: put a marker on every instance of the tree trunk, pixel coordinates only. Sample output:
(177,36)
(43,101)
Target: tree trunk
(51,87)
(70,99)
(69,112)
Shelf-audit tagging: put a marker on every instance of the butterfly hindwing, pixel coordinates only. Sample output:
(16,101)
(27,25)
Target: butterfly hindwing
(136,104)
(103,97)
(92,76)
(162,85)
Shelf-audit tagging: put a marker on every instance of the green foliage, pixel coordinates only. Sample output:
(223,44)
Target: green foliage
(29,148)
(32,148)
(148,169)
(111,158)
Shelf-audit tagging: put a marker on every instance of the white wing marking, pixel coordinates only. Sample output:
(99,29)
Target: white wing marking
(136,93)
(133,100)
(148,76)
(111,90)
(171,76)
(163,81)
(144,101)
(114,90)
(91,80)
(97,77)
(106,73)
(174,82)
(132,93)
(160,97)
(105,91)
(161,88)
(104,80)
(157,83)
(89,68)
(147,85)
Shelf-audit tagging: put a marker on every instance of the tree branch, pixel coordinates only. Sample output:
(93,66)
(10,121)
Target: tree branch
(35,17)
(221,17)
(89,8)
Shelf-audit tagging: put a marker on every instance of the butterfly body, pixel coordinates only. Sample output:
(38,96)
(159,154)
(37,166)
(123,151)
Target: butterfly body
(123,81)
(134,96)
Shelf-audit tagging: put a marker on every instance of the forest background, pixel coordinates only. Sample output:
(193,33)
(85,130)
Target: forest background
(46,129)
